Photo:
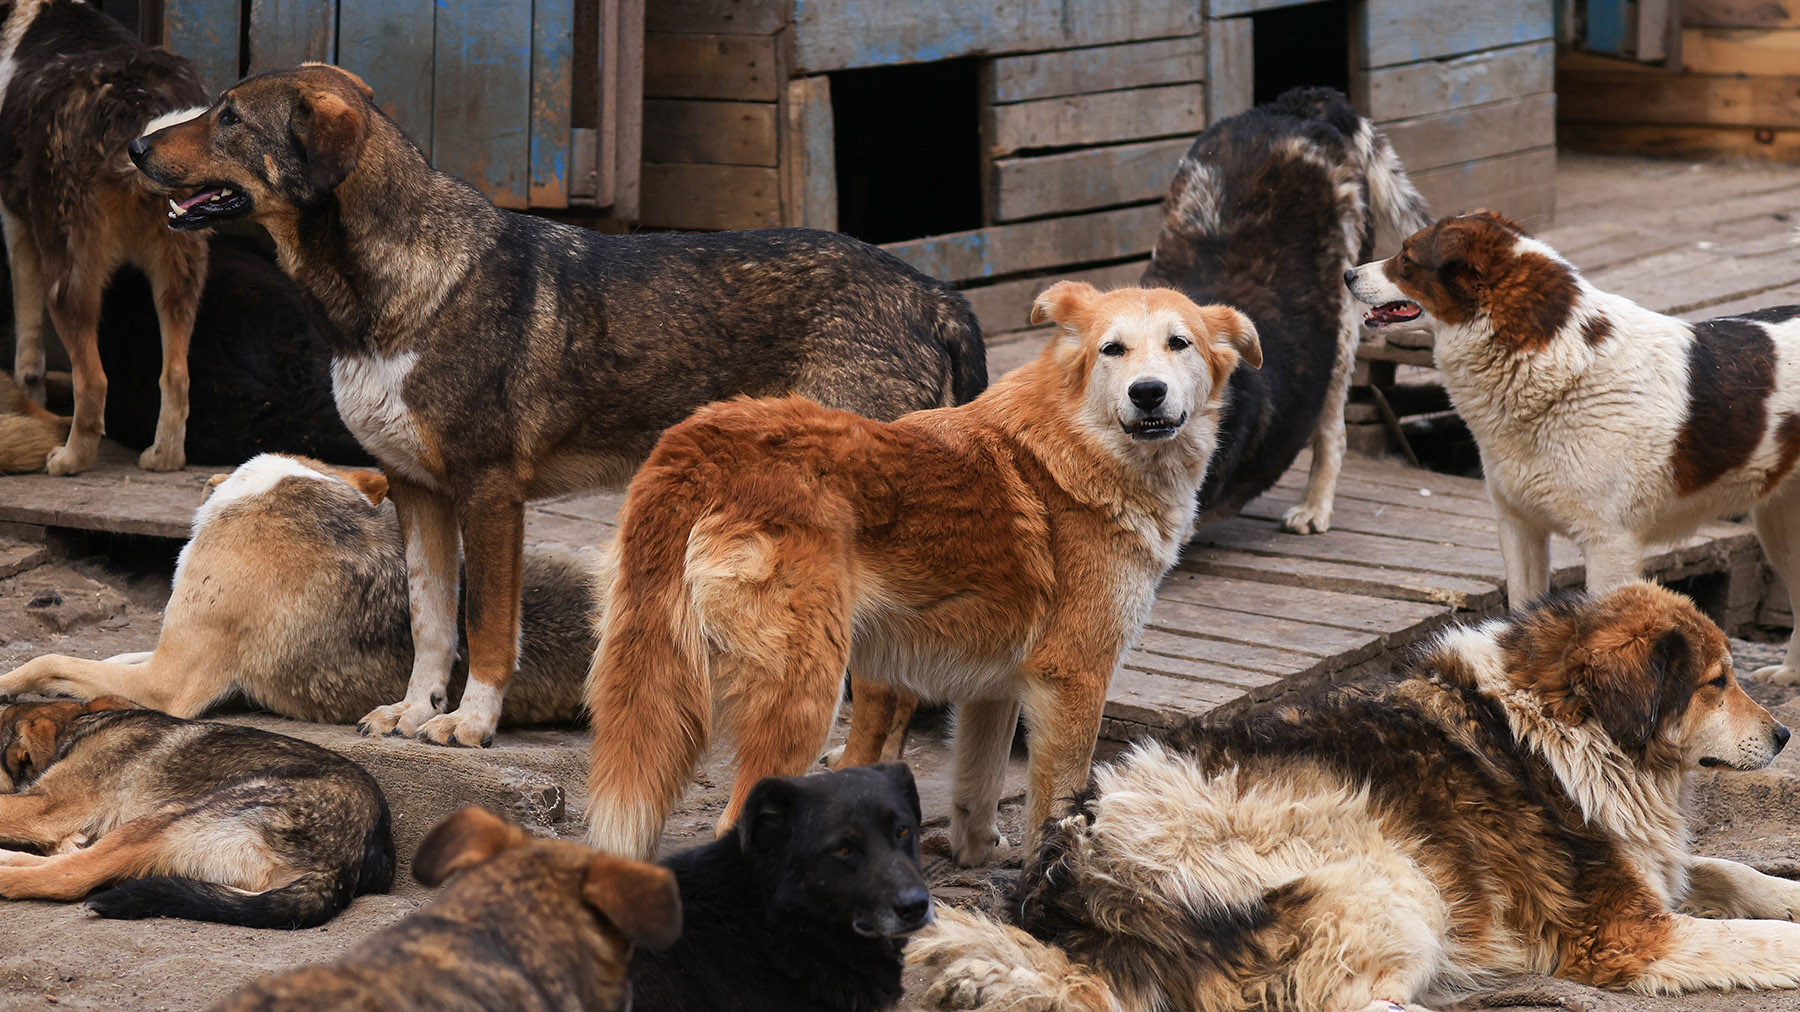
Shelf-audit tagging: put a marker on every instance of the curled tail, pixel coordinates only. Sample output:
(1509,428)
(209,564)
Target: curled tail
(981,965)
(312,899)
(960,334)
(1395,204)
(27,432)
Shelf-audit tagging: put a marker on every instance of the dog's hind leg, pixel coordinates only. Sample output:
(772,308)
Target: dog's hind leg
(132,850)
(75,309)
(1313,515)
(177,273)
(429,532)
(28,305)
(878,719)
(179,686)
(1525,552)
(1778,528)
(984,735)
(1370,933)
(1673,953)
(1718,888)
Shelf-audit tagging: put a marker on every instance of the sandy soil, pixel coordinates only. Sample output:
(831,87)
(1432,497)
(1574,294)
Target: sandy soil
(56,956)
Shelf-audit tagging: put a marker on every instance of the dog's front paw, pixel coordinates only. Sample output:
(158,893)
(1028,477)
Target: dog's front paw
(459,728)
(1777,674)
(1304,519)
(161,457)
(971,847)
(402,718)
(69,460)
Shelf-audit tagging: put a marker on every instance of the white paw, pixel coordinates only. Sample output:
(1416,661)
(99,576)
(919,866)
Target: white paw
(970,847)
(1304,519)
(458,728)
(68,460)
(402,718)
(1777,674)
(163,458)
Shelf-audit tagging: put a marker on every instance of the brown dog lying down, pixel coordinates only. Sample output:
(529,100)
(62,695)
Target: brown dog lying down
(292,594)
(214,822)
(528,926)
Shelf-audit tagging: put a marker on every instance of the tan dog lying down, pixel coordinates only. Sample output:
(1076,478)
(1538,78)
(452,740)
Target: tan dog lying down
(292,593)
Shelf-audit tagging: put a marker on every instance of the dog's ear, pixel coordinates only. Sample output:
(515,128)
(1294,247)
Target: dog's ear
(464,839)
(1233,330)
(1063,302)
(35,745)
(640,899)
(764,820)
(360,84)
(372,484)
(331,131)
(1632,672)
(100,703)
(902,777)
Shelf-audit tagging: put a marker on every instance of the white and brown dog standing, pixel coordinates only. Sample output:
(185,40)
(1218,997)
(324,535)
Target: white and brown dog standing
(1612,425)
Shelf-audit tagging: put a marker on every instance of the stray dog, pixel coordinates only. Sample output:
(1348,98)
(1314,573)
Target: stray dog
(1267,211)
(525,925)
(27,432)
(75,89)
(1512,805)
(292,594)
(1597,419)
(212,822)
(805,908)
(1003,551)
(487,358)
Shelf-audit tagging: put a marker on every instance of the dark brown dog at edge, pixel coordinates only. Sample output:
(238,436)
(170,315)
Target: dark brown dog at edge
(487,358)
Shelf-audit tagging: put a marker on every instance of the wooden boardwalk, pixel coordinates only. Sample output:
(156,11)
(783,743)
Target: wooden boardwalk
(1252,612)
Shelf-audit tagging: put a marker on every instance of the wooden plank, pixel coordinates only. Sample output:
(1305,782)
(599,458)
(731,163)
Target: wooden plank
(1485,131)
(389,45)
(810,170)
(206,32)
(1230,67)
(286,32)
(1433,86)
(552,88)
(627,80)
(1521,186)
(710,196)
(1225,652)
(712,133)
(839,34)
(1007,304)
(1460,592)
(1233,8)
(1103,118)
(1159,700)
(1079,180)
(1690,142)
(481,97)
(1097,68)
(1697,99)
(725,17)
(1323,607)
(1363,549)
(1405,31)
(1740,50)
(1265,630)
(1658,23)
(1051,242)
(735,67)
(1740,14)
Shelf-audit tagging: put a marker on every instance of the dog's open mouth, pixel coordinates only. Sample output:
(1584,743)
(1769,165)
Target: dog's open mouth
(207,205)
(1393,312)
(1149,430)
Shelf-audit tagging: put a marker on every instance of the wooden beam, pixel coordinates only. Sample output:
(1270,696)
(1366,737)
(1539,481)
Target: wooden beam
(628,80)
(1690,142)
(206,32)
(481,97)
(735,67)
(1097,68)
(1433,86)
(1670,99)
(710,196)
(1485,131)
(1052,242)
(383,44)
(1520,185)
(1006,305)
(1080,180)
(809,171)
(1104,118)
(723,17)
(285,32)
(1740,50)
(1406,31)
(1230,68)
(713,133)
(1740,14)
(552,88)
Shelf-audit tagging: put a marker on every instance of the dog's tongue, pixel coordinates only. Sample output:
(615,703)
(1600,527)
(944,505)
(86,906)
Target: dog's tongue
(1394,312)
(197,199)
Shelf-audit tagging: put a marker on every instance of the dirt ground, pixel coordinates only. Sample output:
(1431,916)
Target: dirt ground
(97,597)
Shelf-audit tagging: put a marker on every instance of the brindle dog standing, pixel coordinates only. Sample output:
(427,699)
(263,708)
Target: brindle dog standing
(489,358)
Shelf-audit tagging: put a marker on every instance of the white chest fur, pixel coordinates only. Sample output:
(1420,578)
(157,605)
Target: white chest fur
(370,399)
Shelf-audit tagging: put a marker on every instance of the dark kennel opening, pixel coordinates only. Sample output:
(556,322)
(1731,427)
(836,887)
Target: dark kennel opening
(1305,45)
(908,150)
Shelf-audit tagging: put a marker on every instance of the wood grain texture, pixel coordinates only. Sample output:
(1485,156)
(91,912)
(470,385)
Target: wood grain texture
(552,88)
(724,17)
(1079,180)
(1053,242)
(1405,31)
(1434,86)
(481,97)
(713,133)
(627,81)
(710,196)
(286,32)
(1740,50)
(206,32)
(1520,186)
(1006,305)
(736,67)
(810,170)
(1671,99)
(1740,14)
(1486,131)
(1230,67)
(1104,118)
(1692,142)
(1097,68)
(389,46)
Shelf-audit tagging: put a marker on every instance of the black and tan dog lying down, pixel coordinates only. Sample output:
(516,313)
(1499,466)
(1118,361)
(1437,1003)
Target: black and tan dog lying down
(1513,804)
(805,908)
(292,594)
(180,818)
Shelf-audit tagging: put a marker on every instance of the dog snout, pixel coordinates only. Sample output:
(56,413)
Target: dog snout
(1148,394)
(912,908)
(138,148)
(1781,735)
(1350,278)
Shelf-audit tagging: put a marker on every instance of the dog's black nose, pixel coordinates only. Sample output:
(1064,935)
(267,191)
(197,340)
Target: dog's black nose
(1350,277)
(1148,394)
(912,905)
(1781,736)
(137,149)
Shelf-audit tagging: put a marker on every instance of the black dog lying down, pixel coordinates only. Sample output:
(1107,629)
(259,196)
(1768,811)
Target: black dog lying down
(806,905)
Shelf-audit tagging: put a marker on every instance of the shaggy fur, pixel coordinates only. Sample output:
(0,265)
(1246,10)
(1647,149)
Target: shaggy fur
(292,594)
(213,822)
(1001,552)
(1511,804)
(27,432)
(488,358)
(525,925)
(1597,419)
(75,89)
(804,909)
(1267,211)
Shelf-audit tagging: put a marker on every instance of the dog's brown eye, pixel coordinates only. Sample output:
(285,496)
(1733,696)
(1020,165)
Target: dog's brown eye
(1113,348)
(1177,342)
(227,117)
(1719,682)
(903,832)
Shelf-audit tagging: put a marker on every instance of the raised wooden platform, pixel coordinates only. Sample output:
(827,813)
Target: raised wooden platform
(1250,613)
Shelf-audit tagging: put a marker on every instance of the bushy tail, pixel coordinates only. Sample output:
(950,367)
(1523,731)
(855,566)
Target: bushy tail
(312,899)
(27,432)
(960,333)
(648,692)
(981,965)
(1396,205)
